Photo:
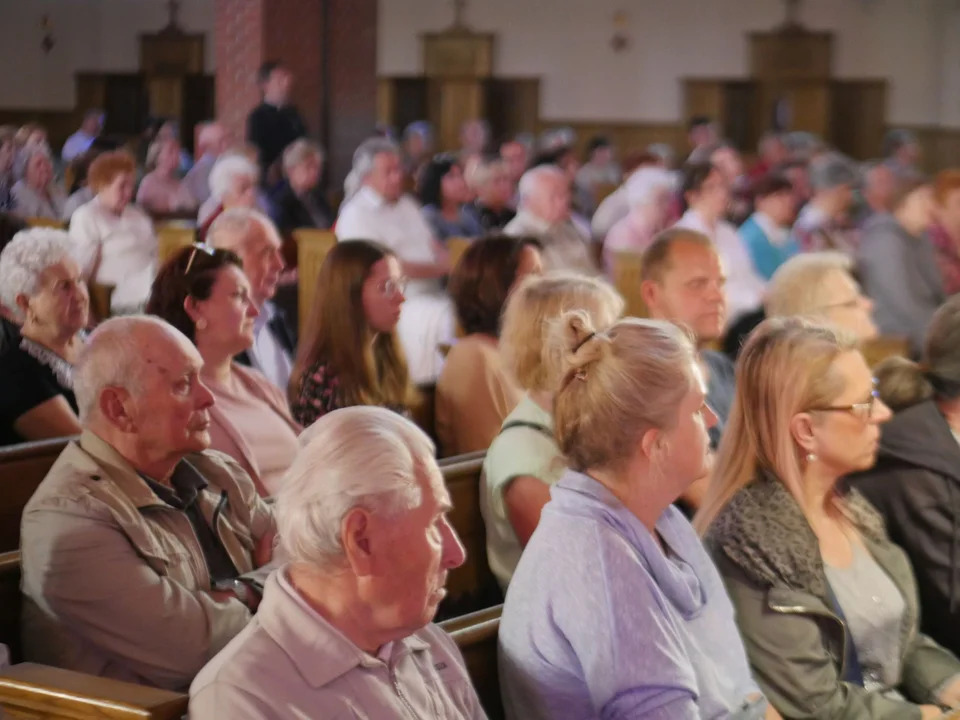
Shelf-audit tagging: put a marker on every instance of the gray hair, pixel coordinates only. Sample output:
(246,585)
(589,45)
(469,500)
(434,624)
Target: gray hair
(233,227)
(556,138)
(484,171)
(358,457)
(24,259)
(831,171)
(896,139)
(532,178)
(299,151)
(366,155)
(797,286)
(113,356)
(227,169)
(664,151)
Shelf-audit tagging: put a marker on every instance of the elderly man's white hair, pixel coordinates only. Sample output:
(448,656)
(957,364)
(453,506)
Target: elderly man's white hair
(797,286)
(533,178)
(366,457)
(209,132)
(227,169)
(233,228)
(113,356)
(24,259)
(644,184)
(299,151)
(366,154)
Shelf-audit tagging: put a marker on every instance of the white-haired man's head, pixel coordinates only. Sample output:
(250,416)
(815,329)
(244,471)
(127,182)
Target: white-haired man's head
(137,384)
(252,236)
(821,286)
(363,507)
(212,139)
(545,193)
(40,282)
(233,180)
(649,190)
(376,164)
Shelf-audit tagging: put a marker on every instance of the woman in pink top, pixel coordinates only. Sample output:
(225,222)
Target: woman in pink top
(161,190)
(203,293)
(648,193)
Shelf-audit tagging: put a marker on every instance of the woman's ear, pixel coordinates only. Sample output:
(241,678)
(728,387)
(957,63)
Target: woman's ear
(190,307)
(802,429)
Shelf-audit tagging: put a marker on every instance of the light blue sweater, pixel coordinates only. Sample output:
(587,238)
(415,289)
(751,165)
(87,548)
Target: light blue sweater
(598,623)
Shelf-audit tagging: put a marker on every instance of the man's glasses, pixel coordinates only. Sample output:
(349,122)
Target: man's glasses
(198,247)
(863,410)
(391,287)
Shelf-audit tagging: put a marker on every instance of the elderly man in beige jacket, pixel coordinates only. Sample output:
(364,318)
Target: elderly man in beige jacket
(344,630)
(139,548)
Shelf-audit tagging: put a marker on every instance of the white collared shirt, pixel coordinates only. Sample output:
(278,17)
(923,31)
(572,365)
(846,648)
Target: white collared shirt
(564,245)
(267,355)
(745,289)
(778,236)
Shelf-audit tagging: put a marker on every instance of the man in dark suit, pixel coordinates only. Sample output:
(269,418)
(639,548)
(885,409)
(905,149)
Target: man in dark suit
(298,202)
(252,236)
(274,123)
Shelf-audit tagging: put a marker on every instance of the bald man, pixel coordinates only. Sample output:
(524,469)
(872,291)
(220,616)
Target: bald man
(139,549)
(544,213)
(212,142)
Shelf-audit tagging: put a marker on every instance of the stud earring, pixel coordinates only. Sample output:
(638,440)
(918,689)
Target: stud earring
(201,324)
(811,457)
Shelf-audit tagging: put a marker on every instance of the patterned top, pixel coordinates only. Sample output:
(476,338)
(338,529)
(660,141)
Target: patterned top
(948,258)
(320,394)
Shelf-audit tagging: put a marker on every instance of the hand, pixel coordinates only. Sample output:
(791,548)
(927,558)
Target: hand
(951,694)
(928,712)
(263,553)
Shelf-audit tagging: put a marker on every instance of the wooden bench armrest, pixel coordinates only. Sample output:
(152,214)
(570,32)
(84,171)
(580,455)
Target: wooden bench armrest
(54,693)
(467,627)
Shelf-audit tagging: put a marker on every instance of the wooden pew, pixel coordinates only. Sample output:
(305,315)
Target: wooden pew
(172,237)
(457,247)
(45,222)
(100,296)
(472,586)
(627,268)
(880,348)
(22,467)
(425,414)
(312,249)
(476,636)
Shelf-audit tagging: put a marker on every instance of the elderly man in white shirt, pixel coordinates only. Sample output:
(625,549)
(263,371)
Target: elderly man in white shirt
(254,238)
(379,211)
(706,193)
(544,213)
(78,143)
(344,629)
(211,143)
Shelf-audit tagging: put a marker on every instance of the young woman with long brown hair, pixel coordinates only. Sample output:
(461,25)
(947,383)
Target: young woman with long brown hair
(350,354)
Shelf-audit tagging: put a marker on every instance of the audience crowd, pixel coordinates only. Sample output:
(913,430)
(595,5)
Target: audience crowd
(718,510)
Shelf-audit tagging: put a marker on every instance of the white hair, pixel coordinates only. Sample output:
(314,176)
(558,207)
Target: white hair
(357,457)
(234,227)
(532,179)
(227,169)
(644,184)
(299,151)
(209,132)
(113,356)
(366,155)
(484,171)
(797,286)
(24,259)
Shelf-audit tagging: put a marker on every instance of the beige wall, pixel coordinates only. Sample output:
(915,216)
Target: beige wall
(91,35)
(910,43)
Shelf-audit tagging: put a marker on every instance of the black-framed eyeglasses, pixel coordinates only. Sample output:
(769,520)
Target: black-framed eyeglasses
(198,247)
(391,286)
(862,410)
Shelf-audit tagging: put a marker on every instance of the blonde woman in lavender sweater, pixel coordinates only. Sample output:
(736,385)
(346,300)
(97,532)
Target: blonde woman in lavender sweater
(615,610)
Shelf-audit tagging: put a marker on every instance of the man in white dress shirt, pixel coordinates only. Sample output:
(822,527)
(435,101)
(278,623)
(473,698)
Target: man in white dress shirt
(379,211)
(82,139)
(252,236)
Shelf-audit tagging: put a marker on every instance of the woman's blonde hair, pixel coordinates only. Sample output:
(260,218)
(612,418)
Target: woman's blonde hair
(786,367)
(904,383)
(615,385)
(537,301)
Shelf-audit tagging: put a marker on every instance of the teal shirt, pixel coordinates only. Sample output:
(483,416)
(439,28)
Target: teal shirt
(766,256)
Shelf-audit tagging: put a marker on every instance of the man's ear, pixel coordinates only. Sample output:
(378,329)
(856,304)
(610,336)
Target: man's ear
(116,405)
(355,535)
(650,292)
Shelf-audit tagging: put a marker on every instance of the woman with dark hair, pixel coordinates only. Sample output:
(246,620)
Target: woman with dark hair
(205,295)
(444,195)
(350,354)
(475,393)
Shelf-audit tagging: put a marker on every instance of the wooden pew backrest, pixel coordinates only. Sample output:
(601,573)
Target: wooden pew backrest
(457,247)
(10,603)
(45,222)
(476,636)
(472,585)
(38,691)
(312,249)
(171,238)
(627,269)
(880,348)
(22,467)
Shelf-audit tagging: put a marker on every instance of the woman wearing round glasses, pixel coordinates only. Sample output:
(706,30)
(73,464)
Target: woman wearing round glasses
(350,354)
(826,604)
(204,293)
(916,481)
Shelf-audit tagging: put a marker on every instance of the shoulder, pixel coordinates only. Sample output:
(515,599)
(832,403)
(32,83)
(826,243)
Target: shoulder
(70,487)
(719,364)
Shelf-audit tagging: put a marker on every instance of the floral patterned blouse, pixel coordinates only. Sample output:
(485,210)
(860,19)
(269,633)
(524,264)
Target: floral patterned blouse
(320,394)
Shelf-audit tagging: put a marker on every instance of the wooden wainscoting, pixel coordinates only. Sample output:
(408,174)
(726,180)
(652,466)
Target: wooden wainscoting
(941,147)
(627,136)
(59,124)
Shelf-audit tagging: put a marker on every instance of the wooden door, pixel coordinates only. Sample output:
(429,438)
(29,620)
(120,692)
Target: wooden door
(513,106)
(198,106)
(858,117)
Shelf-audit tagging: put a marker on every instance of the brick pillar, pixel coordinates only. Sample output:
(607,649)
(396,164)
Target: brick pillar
(250,32)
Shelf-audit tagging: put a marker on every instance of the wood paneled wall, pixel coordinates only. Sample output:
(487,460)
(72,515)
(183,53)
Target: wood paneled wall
(60,124)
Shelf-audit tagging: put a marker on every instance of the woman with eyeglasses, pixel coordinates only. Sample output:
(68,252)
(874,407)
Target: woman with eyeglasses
(205,295)
(916,481)
(444,195)
(826,603)
(350,354)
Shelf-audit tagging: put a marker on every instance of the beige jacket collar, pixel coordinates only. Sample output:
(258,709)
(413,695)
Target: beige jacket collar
(121,472)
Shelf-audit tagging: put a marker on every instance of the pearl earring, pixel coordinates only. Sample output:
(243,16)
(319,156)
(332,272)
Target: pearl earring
(811,457)
(201,324)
